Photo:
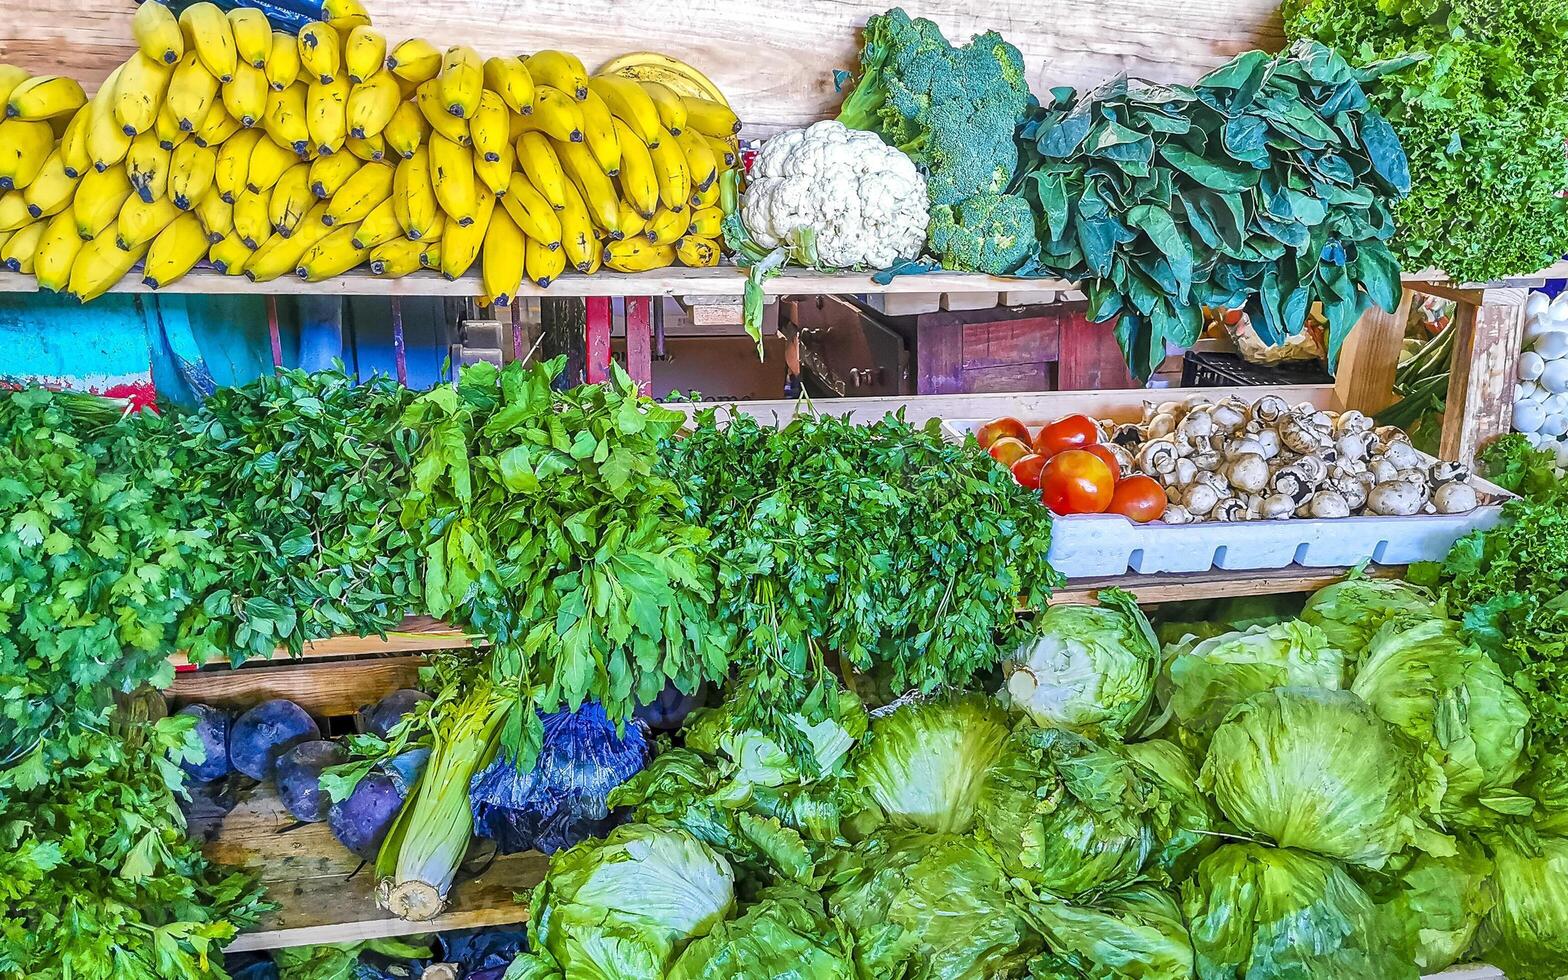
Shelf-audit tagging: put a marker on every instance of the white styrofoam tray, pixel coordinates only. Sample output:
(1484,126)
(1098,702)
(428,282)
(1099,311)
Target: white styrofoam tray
(1086,545)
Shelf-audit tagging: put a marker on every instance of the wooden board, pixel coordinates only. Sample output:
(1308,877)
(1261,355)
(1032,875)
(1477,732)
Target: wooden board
(324,689)
(1212,584)
(415,634)
(1486,361)
(774,59)
(326,897)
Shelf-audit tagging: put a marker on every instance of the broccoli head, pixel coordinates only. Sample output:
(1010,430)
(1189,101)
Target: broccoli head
(953,110)
(991,233)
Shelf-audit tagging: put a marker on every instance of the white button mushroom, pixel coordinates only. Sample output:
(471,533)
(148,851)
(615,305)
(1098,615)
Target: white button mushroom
(1555,378)
(1558,310)
(1536,306)
(1555,404)
(1561,449)
(1555,425)
(1531,365)
(1551,346)
(1528,417)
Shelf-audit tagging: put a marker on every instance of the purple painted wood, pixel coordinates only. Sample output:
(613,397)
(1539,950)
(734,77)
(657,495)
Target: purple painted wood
(517,331)
(272,331)
(399,345)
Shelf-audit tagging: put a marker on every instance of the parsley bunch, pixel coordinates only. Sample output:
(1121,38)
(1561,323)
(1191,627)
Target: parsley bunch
(879,547)
(1483,121)
(298,482)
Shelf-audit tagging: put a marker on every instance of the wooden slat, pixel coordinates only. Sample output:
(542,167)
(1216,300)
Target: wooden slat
(1370,358)
(326,690)
(415,634)
(1213,584)
(1486,362)
(326,897)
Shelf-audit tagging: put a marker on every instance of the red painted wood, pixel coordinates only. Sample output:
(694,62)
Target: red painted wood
(939,354)
(993,343)
(596,332)
(1090,360)
(639,342)
(272,330)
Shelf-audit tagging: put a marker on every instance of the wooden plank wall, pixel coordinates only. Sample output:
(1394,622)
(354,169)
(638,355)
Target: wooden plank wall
(773,58)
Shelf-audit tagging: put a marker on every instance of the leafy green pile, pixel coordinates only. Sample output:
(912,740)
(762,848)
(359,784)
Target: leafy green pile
(299,481)
(863,546)
(97,876)
(1518,467)
(1483,121)
(545,528)
(1267,185)
(97,560)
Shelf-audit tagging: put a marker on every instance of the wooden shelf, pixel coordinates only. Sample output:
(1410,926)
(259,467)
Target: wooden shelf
(323,894)
(1214,584)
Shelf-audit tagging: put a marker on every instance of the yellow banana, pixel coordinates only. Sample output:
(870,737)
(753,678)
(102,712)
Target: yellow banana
(52,190)
(489,127)
(360,195)
(140,222)
(175,251)
(462,79)
(405,131)
(107,143)
(672,111)
(395,258)
(452,176)
(279,256)
(532,214)
(379,226)
(710,118)
(139,91)
(326,115)
(290,199)
(600,135)
(560,70)
(428,97)
(578,238)
(192,90)
(597,189)
(167,126)
(415,60)
(148,166)
(501,268)
(13,212)
(508,77)
(556,115)
(251,222)
(10,77)
(207,31)
(20,248)
(328,174)
(252,36)
(430,256)
(697,252)
(320,54)
(701,165)
(157,32)
(544,265)
(191,172)
(283,65)
(345,15)
(707,222)
(461,244)
(666,227)
(56,252)
(285,118)
(229,256)
(497,174)
(364,53)
(631,222)
(725,151)
(73,145)
(334,255)
(216,129)
(638,255)
(371,150)
(246,96)
(101,264)
(708,197)
(414,196)
(216,216)
(638,179)
(536,157)
(99,198)
(43,97)
(268,163)
(629,103)
(233,163)
(673,173)
(24,148)
(371,105)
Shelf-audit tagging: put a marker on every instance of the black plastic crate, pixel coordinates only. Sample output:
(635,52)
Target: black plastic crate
(1211,369)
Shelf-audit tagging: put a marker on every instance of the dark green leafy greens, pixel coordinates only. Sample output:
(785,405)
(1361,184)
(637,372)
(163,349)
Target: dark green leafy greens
(1268,185)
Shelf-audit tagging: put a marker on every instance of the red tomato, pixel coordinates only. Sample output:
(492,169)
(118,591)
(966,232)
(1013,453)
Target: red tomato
(1001,428)
(1076,482)
(1233,317)
(1008,451)
(1110,458)
(1027,470)
(1072,432)
(1139,499)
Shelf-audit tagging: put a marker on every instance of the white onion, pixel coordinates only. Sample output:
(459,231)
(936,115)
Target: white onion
(1531,365)
(1528,417)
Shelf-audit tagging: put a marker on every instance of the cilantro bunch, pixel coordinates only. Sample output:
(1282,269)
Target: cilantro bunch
(879,548)
(1483,120)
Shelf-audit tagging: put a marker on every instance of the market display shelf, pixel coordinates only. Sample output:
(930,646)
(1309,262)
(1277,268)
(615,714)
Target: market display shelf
(324,895)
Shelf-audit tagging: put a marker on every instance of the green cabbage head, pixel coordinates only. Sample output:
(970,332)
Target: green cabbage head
(1526,934)
(1439,902)
(786,935)
(1136,933)
(1318,770)
(924,762)
(1547,787)
(1350,612)
(1187,821)
(758,759)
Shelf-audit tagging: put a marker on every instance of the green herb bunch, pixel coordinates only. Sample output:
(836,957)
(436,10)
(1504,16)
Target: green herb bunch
(547,531)
(878,547)
(1483,121)
(98,557)
(1267,185)
(299,480)
(98,879)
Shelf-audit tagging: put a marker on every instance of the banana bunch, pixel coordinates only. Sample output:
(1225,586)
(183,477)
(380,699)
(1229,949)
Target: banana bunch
(322,148)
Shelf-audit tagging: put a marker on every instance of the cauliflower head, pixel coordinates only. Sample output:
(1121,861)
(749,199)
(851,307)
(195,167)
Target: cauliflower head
(863,202)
